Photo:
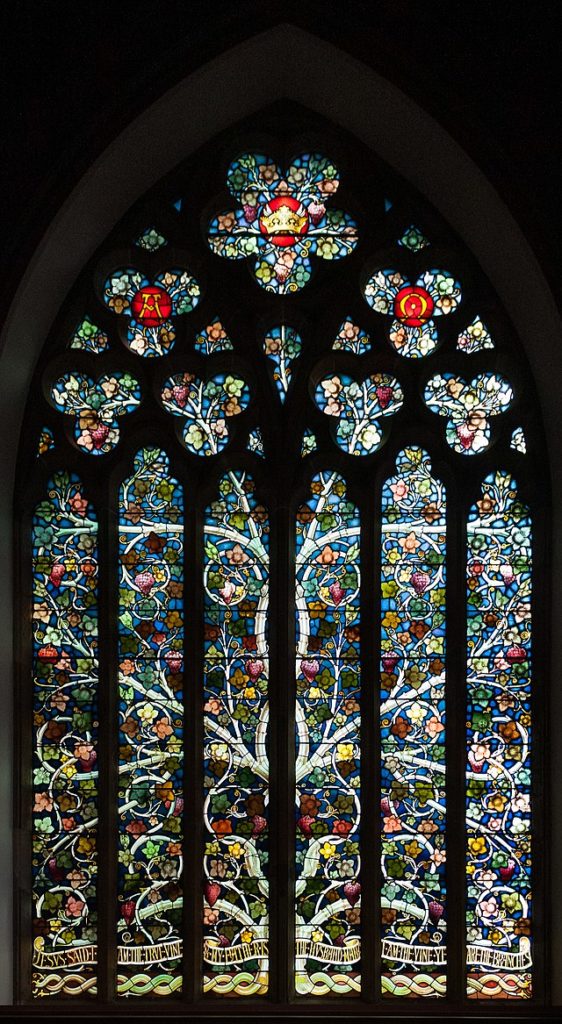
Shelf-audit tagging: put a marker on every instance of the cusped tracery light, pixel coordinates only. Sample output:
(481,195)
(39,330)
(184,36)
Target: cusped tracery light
(96,406)
(151,306)
(284,219)
(413,307)
(468,407)
(359,406)
(206,406)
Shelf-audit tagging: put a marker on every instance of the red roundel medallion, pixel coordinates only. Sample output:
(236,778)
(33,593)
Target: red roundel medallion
(413,305)
(283,219)
(151,306)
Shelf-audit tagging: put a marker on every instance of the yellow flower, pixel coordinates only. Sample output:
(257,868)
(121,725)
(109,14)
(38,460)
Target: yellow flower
(416,713)
(477,845)
(250,692)
(345,751)
(236,850)
(219,751)
(391,620)
(496,936)
(246,935)
(314,692)
(147,713)
(327,850)
(69,770)
(238,679)
(413,848)
(317,936)
(470,869)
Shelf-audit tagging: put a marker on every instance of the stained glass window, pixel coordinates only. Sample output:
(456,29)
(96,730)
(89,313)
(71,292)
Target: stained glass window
(281,514)
(65,713)
(151,783)
(498,794)
(413,728)
(327,722)
(236,765)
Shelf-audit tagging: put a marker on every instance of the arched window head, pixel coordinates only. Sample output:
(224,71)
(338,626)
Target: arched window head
(281,509)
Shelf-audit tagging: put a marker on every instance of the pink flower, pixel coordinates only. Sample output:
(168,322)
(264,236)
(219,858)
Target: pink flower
(210,917)
(83,750)
(237,555)
(522,803)
(392,823)
(76,878)
(434,726)
(327,556)
(78,504)
(399,489)
(409,543)
(74,907)
(488,907)
(219,427)
(43,802)
(333,407)
(110,387)
(486,876)
(162,728)
(59,700)
(478,755)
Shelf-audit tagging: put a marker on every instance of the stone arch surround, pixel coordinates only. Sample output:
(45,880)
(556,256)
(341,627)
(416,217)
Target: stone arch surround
(215,96)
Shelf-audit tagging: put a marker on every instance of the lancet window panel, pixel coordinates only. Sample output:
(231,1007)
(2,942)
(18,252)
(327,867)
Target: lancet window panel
(280,520)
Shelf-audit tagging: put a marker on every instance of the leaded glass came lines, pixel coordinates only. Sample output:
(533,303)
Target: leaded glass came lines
(151,784)
(413,729)
(498,778)
(328,889)
(65,770)
(236,768)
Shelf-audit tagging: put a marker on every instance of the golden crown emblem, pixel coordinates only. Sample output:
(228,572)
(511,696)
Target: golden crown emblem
(283,218)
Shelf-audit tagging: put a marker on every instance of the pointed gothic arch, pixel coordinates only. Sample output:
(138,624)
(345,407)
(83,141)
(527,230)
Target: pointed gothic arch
(249,56)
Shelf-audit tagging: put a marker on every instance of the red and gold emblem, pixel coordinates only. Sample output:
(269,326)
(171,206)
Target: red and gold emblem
(413,306)
(151,306)
(283,219)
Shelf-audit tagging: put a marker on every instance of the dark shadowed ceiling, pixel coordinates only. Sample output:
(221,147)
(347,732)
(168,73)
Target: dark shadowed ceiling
(74,72)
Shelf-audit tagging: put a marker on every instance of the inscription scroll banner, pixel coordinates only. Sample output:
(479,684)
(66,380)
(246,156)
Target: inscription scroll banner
(235,954)
(349,954)
(399,951)
(150,954)
(475,955)
(402,952)
(489,957)
(89,955)
(74,957)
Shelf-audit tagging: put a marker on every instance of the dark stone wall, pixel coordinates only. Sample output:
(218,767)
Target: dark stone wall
(73,73)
